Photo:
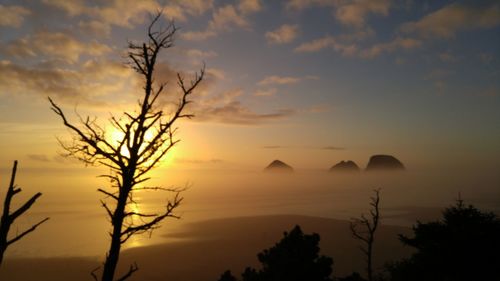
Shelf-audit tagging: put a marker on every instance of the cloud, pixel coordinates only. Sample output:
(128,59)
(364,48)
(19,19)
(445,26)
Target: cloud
(273,147)
(52,45)
(395,44)
(198,161)
(226,109)
(89,84)
(284,34)
(13,16)
(95,27)
(352,49)
(39,157)
(199,54)
(332,148)
(279,80)
(451,19)
(128,13)
(216,73)
(346,49)
(303,147)
(354,13)
(236,113)
(225,18)
(265,92)
(303,4)
(198,35)
(249,6)
(351,13)
(284,80)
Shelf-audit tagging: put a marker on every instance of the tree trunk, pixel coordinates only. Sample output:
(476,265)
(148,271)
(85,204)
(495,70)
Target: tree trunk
(369,262)
(114,250)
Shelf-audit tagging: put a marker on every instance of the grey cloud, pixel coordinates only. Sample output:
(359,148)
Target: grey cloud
(39,157)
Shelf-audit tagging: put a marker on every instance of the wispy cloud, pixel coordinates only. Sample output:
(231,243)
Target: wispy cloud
(48,45)
(273,147)
(453,18)
(284,80)
(354,13)
(198,161)
(398,43)
(84,84)
(128,13)
(266,92)
(353,50)
(39,157)
(13,16)
(350,13)
(330,42)
(226,18)
(302,147)
(283,34)
(226,108)
(332,148)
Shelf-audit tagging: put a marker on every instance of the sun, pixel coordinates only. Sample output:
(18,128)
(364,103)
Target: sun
(116,136)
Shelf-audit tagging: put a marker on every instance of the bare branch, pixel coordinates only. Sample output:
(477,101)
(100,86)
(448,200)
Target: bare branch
(133,268)
(367,232)
(8,218)
(31,229)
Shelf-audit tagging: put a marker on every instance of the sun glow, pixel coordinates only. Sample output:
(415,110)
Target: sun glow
(115,137)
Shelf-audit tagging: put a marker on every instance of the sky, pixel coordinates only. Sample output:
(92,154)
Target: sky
(310,82)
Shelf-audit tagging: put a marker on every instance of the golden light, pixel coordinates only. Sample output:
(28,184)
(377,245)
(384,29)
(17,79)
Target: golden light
(116,136)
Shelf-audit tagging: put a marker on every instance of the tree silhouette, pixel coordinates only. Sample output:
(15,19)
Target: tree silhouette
(227,276)
(367,232)
(294,258)
(9,217)
(464,245)
(147,136)
(353,277)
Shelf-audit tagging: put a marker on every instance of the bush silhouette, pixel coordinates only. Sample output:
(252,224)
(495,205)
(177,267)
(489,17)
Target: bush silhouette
(294,258)
(464,245)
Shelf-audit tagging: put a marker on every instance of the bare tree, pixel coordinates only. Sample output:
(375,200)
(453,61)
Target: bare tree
(364,229)
(8,217)
(148,135)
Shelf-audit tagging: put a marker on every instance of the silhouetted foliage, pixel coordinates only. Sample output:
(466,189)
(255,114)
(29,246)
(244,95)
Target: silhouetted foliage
(294,258)
(147,136)
(9,217)
(464,245)
(367,232)
(353,277)
(227,276)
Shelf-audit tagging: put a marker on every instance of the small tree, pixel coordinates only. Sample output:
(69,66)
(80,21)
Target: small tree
(147,136)
(463,245)
(294,258)
(9,217)
(364,229)
(227,276)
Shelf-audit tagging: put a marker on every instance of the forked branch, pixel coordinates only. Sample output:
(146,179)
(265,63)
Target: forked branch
(9,217)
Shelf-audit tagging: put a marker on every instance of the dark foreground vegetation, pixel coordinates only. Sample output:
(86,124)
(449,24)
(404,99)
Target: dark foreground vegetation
(463,245)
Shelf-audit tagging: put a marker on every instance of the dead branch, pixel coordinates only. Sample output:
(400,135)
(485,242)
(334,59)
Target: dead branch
(9,217)
(364,229)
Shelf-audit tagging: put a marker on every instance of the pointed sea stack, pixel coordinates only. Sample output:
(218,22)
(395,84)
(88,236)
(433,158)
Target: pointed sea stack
(384,163)
(278,166)
(345,166)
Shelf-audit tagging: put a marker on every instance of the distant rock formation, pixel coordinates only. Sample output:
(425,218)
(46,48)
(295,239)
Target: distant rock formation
(345,166)
(278,166)
(384,162)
